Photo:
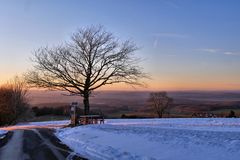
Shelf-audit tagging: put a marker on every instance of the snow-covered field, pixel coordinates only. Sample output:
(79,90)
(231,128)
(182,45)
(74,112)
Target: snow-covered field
(163,139)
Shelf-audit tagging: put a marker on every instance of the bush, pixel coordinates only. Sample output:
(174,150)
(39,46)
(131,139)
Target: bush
(58,111)
(231,114)
(12,101)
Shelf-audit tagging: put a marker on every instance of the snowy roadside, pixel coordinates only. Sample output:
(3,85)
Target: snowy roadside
(182,139)
(44,124)
(3,134)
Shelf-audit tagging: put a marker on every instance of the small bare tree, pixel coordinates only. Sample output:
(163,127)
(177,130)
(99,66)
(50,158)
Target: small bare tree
(20,90)
(160,102)
(13,101)
(91,59)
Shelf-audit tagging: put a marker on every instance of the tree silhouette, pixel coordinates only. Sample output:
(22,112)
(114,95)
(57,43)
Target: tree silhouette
(91,59)
(160,102)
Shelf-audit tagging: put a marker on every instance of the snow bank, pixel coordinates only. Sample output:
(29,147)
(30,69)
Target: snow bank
(2,134)
(31,125)
(163,139)
(44,123)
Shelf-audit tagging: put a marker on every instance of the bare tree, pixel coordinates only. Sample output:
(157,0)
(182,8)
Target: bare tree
(20,90)
(13,101)
(91,59)
(160,102)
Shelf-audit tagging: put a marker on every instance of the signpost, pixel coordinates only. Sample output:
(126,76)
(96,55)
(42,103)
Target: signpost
(73,113)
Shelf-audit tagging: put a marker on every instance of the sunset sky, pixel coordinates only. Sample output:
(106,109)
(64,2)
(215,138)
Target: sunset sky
(184,44)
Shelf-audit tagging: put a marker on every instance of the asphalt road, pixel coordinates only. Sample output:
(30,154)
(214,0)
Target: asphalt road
(35,144)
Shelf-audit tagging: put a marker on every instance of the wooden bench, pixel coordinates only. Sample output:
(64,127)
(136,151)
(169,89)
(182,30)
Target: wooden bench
(91,119)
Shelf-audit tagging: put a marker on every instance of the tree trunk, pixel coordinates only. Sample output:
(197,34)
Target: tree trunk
(86,103)
(160,114)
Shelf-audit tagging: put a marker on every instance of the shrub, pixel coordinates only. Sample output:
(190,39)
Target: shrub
(12,101)
(231,114)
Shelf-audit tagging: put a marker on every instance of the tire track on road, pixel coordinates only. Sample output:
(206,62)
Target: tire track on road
(13,149)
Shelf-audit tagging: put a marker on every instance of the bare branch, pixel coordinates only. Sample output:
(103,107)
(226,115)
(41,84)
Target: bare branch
(160,102)
(91,59)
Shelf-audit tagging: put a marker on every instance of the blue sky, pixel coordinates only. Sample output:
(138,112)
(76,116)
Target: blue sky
(185,44)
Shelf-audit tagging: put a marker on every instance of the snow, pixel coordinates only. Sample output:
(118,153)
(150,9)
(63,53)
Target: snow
(163,139)
(44,124)
(2,133)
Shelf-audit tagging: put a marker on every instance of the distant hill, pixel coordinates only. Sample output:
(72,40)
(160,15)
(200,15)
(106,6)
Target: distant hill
(134,102)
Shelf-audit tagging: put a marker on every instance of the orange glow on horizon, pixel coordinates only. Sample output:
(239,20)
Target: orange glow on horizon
(173,86)
(168,85)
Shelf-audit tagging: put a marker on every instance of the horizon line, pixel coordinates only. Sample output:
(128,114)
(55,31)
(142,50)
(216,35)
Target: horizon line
(180,90)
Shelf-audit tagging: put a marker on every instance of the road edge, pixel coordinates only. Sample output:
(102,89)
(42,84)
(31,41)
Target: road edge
(5,140)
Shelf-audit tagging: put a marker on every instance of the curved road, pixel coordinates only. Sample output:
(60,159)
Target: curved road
(35,144)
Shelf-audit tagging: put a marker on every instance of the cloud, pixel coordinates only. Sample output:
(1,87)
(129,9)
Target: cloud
(219,51)
(156,42)
(157,36)
(210,50)
(231,53)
